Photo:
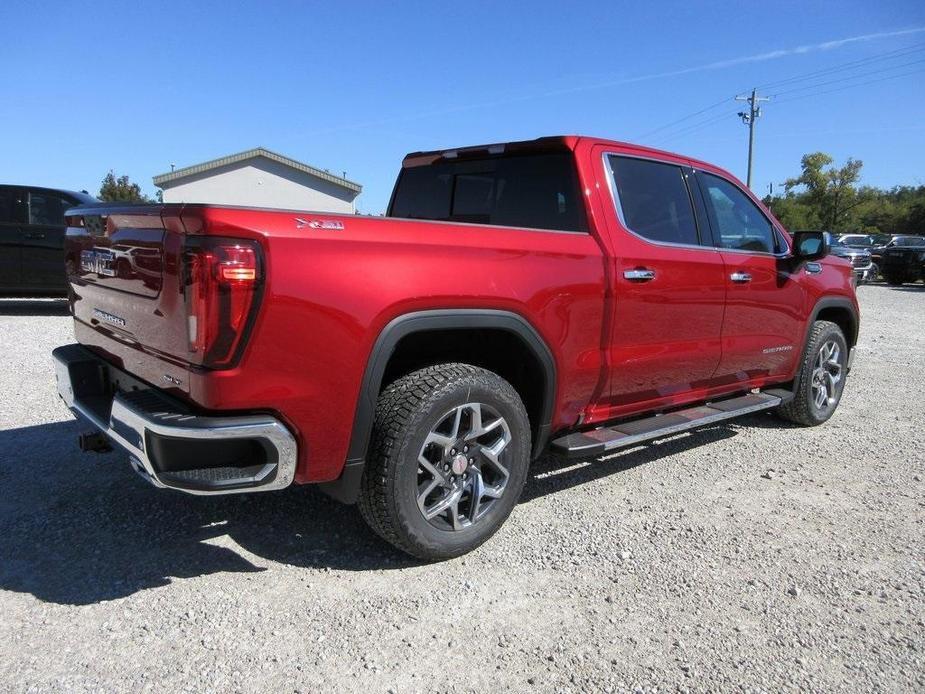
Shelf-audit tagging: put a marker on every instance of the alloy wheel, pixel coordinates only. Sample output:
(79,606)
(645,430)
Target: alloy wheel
(462,469)
(827,374)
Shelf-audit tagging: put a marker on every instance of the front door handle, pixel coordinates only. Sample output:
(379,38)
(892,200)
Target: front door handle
(35,235)
(639,275)
(740,277)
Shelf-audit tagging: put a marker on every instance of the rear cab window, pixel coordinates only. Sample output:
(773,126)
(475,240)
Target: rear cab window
(534,191)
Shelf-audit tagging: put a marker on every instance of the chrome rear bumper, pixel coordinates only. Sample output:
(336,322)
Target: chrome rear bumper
(169,446)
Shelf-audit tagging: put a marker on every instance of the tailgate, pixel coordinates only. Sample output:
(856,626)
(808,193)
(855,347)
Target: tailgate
(124,272)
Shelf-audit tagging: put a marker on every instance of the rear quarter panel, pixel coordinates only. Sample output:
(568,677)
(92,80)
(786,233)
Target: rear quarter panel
(330,292)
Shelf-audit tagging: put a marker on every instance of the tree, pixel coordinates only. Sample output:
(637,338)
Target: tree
(794,212)
(831,192)
(821,198)
(120,189)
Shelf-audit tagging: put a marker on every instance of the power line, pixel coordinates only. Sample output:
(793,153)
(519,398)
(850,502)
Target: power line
(850,86)
(889,55)
(754,100)
(682,119)
(851,65)
(697,126)
(848,78)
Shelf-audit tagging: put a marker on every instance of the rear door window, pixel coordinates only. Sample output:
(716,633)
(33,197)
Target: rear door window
(737,222)
(653,200)
(11,206)
(6,205)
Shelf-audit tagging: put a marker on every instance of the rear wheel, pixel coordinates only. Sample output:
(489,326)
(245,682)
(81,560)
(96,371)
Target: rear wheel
(448,460)
(821,378)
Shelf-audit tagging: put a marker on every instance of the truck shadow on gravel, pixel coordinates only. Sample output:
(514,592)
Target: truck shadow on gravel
(81,528)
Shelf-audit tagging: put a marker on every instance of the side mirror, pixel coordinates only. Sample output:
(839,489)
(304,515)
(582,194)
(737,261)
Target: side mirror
(810,245)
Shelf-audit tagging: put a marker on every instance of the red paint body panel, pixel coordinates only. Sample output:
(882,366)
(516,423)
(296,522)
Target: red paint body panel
(619,348)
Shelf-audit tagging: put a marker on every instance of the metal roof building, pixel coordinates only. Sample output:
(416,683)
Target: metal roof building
(260,178)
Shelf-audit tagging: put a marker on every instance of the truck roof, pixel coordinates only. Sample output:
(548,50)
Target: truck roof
(550,143)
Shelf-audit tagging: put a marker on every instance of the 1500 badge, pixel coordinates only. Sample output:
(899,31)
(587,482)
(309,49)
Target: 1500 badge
(108,318)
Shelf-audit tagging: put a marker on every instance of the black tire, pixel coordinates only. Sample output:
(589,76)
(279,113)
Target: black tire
(804,408)
(407,413)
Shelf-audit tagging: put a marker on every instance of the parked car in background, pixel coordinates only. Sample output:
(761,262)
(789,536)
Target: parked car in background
(867,241)
(882,243)
(860,258)
(32,238)
(902,259)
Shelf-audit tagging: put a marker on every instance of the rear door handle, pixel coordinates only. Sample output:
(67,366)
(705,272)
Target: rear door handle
(639,275)
(35,235)
(740,277)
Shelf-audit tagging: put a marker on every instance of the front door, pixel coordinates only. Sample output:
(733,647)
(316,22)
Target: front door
(669,286)
(762,330)
(43,241)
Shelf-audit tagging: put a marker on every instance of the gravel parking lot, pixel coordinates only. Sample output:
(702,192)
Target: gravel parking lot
(752,555)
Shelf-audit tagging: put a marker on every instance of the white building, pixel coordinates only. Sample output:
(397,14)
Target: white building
(260,178)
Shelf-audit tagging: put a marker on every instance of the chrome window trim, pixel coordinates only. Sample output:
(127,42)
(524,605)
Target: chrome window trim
(760,211)
(615,198)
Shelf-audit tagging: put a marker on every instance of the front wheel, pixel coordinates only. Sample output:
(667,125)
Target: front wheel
(821,378)
(448,460)
(894,279)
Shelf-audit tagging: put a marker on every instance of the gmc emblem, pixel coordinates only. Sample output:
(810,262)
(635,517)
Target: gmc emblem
(98,261)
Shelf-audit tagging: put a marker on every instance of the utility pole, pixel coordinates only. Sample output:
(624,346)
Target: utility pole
(749,117)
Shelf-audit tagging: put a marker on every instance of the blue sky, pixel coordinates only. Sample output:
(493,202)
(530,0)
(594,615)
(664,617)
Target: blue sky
(134,87)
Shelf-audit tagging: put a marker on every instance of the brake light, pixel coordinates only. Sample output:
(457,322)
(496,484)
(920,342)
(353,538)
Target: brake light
(222,285)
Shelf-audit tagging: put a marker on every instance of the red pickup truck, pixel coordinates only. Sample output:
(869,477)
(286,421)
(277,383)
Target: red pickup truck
(566,293)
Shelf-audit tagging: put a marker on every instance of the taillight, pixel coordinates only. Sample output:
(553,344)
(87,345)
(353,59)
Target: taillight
(222,286)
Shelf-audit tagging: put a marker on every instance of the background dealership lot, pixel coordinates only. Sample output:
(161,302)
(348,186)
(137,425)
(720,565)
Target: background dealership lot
(748,554)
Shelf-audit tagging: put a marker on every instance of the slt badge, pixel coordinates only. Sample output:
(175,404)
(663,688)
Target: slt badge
(328,224)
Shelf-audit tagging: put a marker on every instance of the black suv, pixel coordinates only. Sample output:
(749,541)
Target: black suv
(32,238)
(902,259)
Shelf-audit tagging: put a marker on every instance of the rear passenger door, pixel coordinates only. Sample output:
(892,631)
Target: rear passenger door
(12,216)
(43,240)
(669,285)
(762,330)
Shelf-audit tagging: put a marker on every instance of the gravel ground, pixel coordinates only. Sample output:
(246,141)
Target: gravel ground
(681,565)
